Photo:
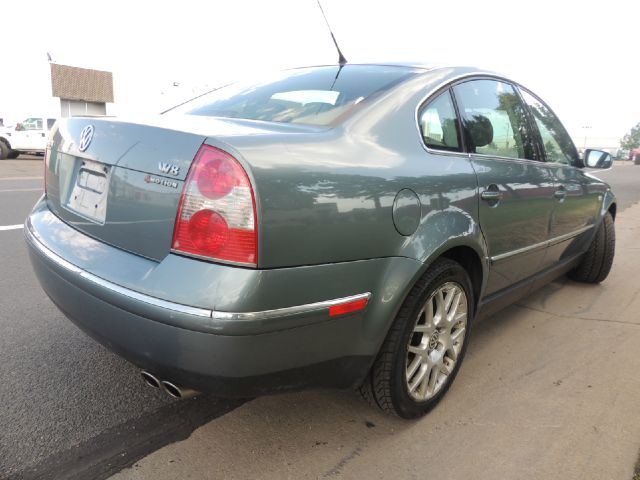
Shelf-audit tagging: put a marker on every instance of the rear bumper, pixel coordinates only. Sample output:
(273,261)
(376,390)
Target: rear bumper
(240,352)
(184,316)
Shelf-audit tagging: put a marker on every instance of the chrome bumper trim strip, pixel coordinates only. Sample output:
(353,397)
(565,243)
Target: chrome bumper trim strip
(37,242)
(288,311)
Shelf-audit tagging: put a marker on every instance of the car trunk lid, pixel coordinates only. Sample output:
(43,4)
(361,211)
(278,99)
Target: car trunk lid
(121,181)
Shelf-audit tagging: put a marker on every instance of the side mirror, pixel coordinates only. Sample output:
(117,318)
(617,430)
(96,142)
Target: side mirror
(597,159)
(19,127)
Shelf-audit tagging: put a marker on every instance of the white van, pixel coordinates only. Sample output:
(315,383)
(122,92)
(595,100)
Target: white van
(30,135)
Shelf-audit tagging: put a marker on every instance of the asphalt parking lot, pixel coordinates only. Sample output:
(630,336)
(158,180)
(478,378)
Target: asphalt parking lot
(72,409)
(67,403)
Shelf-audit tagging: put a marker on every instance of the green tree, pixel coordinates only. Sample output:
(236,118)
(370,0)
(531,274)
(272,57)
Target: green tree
(551,150)
(632,139)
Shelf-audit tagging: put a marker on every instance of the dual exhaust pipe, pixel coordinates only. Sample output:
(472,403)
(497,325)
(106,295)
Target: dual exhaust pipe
(170,389)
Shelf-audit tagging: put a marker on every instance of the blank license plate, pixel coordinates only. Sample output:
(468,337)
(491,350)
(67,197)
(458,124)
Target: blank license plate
(89,194)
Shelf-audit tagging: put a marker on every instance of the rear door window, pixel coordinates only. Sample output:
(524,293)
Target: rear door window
(439,124)
(494,119)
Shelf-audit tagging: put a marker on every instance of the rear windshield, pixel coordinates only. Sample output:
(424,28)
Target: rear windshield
(315,96)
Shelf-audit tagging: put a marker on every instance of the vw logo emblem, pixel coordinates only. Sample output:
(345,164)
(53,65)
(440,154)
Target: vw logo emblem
(85,137)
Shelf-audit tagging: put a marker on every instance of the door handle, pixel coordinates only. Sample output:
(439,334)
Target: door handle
(491,195)
(560,193)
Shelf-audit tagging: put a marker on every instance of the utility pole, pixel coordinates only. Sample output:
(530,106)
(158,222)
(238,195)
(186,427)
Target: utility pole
(585,128)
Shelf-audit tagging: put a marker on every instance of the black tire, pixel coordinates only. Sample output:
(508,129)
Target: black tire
(13,154)
(596,263)
(386,386)
(4,150)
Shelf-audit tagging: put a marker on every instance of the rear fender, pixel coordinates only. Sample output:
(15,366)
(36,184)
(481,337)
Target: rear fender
(443,230)
(439,233)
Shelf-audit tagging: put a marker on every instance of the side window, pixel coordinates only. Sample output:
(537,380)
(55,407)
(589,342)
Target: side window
(32,124)
(494,119)
(50,123)
(558,146)
(438,124)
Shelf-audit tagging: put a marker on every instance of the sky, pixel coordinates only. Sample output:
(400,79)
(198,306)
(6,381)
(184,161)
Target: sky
(581,58)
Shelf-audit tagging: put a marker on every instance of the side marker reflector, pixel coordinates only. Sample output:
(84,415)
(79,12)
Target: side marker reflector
(348,307)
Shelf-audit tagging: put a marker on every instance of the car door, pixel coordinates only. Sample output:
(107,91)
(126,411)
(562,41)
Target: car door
(447,183)
(515,187)
(29,135)
(19,138)
(36,134)
(577,196)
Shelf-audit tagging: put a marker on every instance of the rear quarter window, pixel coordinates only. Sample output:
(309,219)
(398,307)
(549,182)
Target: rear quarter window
(439,124)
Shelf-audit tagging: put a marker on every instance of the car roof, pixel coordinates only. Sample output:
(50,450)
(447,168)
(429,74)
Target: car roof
(418,65)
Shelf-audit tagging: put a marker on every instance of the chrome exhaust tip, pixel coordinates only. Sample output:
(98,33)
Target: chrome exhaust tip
(150,379)
(177,392)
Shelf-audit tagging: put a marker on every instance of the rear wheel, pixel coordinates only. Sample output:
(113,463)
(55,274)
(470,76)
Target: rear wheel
(596,263)
(13,154)
(4,150)
(425,346)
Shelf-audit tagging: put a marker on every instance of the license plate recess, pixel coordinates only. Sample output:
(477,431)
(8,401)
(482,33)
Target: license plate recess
(88,198)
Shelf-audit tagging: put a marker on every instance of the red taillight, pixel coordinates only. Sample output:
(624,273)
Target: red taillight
(218,177)
(208,230)
(217,214)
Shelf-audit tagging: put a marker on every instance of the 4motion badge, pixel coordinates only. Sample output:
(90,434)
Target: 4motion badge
(161,181)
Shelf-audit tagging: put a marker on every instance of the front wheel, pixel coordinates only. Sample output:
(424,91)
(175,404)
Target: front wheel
(425,346)
(596,263)
(13,154)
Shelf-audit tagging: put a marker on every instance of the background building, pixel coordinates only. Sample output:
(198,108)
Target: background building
(82,91)
(51,90)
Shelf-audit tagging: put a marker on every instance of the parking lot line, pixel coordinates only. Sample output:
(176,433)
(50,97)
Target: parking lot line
(21,178)
(10,227)
(21,190)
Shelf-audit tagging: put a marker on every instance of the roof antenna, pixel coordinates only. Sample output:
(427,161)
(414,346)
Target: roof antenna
(341,60)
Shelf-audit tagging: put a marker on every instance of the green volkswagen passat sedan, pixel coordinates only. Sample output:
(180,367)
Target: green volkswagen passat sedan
(334,226)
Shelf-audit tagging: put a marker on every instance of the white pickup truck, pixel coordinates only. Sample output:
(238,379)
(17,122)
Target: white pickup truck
(30,135)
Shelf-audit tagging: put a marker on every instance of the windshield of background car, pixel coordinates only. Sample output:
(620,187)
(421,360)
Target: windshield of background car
(314,96)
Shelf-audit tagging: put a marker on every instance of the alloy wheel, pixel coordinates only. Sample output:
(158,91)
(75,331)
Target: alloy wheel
(436,341)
